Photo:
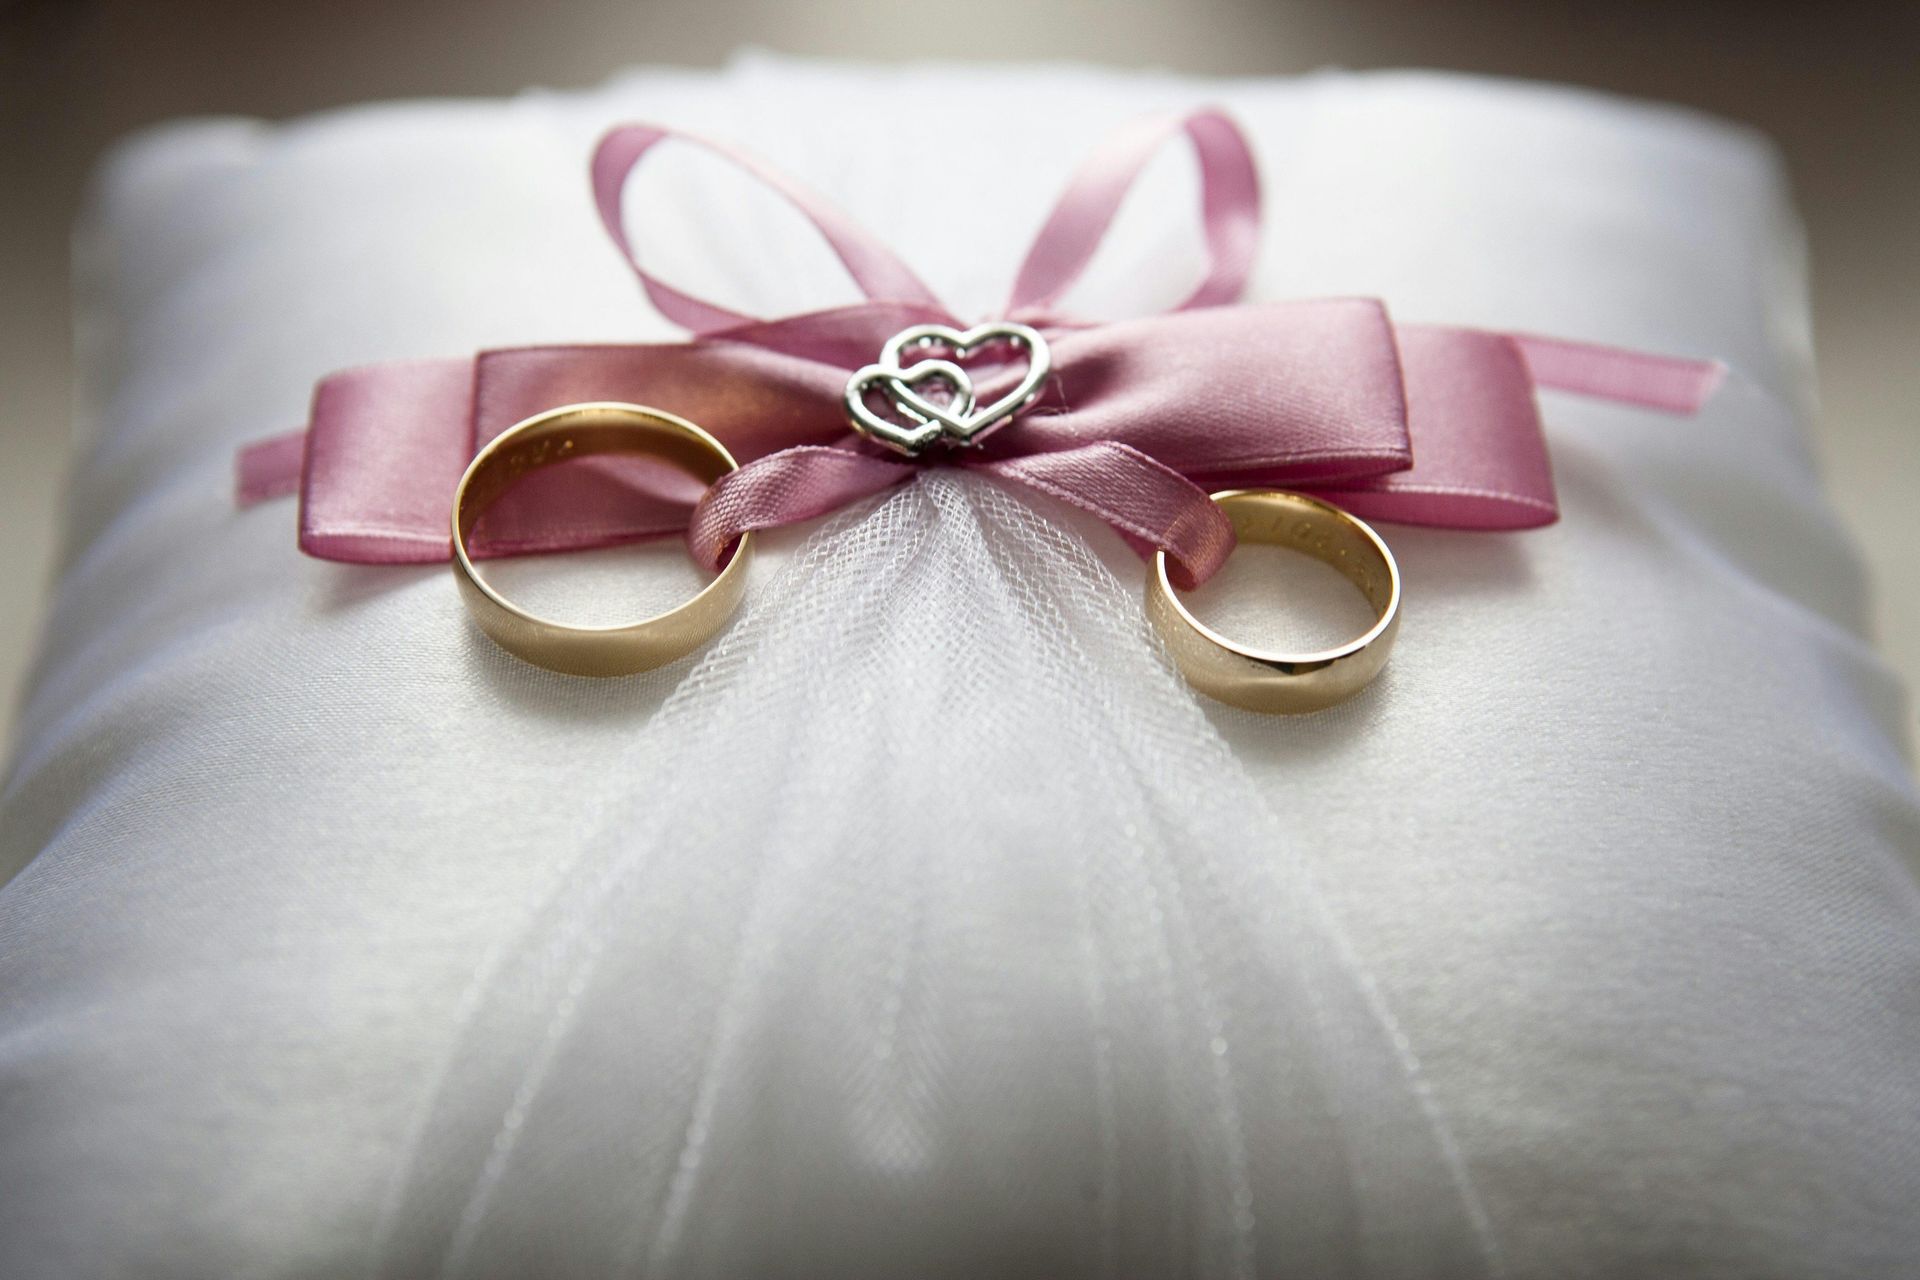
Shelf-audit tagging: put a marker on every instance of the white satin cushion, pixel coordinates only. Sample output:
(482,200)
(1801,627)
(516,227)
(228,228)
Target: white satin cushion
(1623,836)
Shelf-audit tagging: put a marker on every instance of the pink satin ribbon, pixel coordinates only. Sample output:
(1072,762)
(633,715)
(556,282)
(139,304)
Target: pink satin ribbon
(1139,420)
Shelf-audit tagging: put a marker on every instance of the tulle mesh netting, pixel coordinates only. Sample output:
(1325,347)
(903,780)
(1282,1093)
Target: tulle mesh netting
(937,934)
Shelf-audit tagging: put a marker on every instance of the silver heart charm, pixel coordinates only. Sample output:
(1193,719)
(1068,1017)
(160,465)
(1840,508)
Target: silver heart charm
(960,421)
(898,387)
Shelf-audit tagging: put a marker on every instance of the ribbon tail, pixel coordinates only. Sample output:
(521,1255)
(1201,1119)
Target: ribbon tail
(1149,504)
(269,468)
(1670,384)
(781,489)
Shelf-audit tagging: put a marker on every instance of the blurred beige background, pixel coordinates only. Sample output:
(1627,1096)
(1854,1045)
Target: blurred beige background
(1838,84)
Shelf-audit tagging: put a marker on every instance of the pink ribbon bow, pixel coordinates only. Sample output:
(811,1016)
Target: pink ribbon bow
(1413,423)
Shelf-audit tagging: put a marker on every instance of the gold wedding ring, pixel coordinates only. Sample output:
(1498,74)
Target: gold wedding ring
(584,431)
(1286,683)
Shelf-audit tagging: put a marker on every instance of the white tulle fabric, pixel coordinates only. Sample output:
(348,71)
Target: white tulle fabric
(925,925)
(953,881)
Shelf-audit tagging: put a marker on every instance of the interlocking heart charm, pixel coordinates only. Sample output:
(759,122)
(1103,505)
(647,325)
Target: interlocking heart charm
(908,365)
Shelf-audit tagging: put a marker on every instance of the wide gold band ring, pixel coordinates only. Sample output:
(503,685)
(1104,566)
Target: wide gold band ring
(583,431)
(1285,683)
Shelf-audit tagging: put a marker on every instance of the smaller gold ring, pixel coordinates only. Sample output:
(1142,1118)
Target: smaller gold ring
(1285,683)
(584,431)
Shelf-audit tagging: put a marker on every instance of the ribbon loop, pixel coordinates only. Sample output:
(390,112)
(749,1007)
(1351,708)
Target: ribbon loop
(880,275)
(1229,210)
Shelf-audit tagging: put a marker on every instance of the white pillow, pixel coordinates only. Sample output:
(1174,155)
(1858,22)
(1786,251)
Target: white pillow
(335,946)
